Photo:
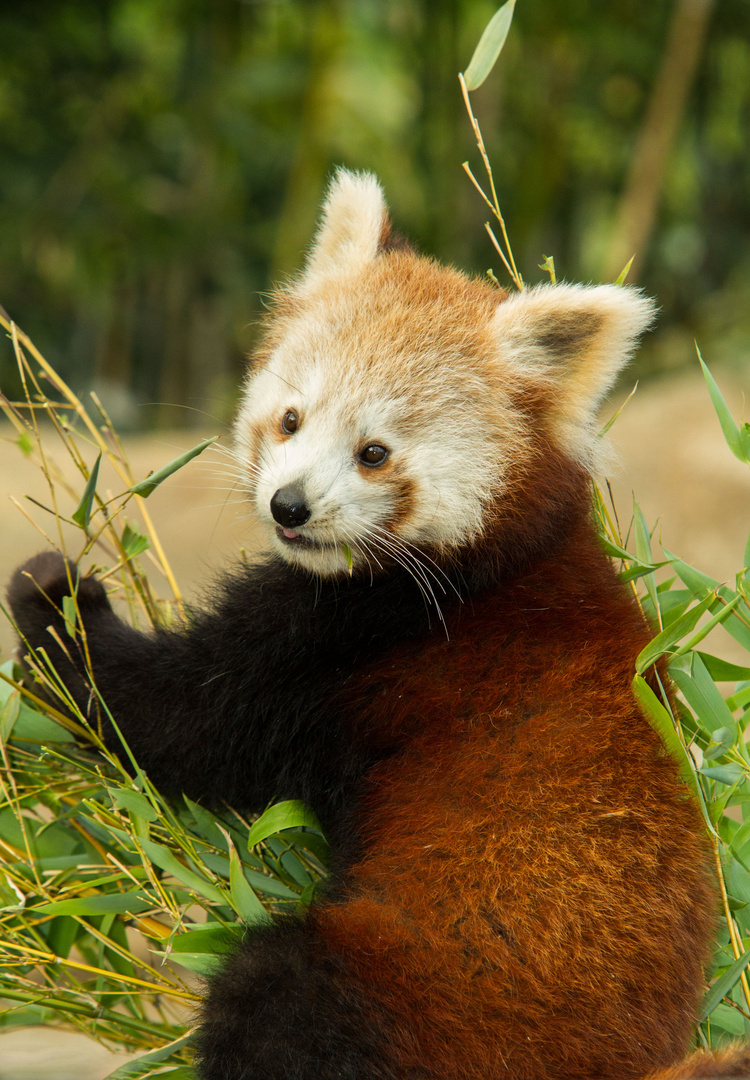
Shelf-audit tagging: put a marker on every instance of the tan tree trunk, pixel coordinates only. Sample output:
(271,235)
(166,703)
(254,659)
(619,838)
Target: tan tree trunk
(639,203)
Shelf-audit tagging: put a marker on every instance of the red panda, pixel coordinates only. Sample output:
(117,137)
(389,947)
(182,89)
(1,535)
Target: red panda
(437,657)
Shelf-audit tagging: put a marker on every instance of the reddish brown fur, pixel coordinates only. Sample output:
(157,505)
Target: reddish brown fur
(581,949)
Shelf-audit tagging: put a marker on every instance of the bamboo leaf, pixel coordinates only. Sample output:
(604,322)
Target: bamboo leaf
(82,514)
(145,487)
(70,615)
(490,46)
(664,641)
(725,774)
(549,266)
(141,1066)
(701,693)
(244,901)
(133,542)
(722,671)
(662,723)
(622,276)
(643,551)
(127,799)
(9,712)
(25,445)
(32,726)
(132,902)
(283,815)
(166,861)
(722,739)
(722,986)
(348,556)
(735,439)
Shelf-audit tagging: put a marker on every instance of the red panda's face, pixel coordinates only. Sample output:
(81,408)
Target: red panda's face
(375,429)
(388,415)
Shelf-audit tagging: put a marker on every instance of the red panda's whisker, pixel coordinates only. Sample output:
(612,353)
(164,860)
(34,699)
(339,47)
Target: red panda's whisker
(409,562)
(423,559)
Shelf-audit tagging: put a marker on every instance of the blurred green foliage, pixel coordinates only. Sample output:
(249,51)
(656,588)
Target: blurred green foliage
(161,162)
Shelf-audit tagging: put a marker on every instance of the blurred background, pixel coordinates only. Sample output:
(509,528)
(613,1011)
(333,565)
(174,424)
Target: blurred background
(161,163)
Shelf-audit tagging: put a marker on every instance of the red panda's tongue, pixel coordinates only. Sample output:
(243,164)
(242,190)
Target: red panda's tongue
(290,534)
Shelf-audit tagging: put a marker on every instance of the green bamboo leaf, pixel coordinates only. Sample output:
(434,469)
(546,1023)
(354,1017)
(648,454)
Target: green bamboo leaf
(82,514)
(244,901)
(722,671)
(659,718)
(490,46)
(740,699)
(145,487)
(722,739)
(622,276)
(736,440)
(211,937)
(70,615)
(726,1019)
(11,897)
(62,933)
(283,815)
(614,551)
(166,861)
(132,902)
(182,1072)
(549,266)
(637,571)
(348,556)
(720,617)
(698,582)
(613,419)
(127,799)
(133,542)
(643,550)
(141,1066)
(25,445)
(270,886)
(10,709)
(739,842)
(737,880)
(31,726)
(701,584)
(725,774)
(311,842)
(723,985)
(206,823)
(702,694)
(664,641)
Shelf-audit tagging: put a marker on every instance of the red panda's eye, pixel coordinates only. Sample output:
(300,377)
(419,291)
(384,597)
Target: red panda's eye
(289,422)
(373,455)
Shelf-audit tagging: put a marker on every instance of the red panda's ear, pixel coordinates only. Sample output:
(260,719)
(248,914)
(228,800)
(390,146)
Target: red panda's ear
(353,221)
(574,340)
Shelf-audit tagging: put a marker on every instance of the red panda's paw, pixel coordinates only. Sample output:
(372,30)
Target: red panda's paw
(38,589)
(46,578)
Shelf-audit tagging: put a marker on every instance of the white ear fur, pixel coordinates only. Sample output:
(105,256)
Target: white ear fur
(576,339)
(353,219)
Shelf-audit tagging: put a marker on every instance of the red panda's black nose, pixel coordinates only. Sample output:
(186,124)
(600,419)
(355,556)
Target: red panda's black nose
(288,507)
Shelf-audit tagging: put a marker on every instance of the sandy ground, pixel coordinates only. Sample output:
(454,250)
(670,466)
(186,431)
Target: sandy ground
(670,452)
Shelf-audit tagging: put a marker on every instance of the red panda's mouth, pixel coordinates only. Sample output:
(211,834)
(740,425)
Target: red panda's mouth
(296,539)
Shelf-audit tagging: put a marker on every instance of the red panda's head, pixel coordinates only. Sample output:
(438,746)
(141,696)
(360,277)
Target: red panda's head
(397,405)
